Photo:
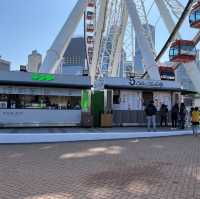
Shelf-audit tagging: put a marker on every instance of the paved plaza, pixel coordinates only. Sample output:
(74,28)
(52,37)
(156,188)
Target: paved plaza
(160,168)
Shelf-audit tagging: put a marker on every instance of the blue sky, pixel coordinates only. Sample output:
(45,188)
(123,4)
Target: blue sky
(26,25)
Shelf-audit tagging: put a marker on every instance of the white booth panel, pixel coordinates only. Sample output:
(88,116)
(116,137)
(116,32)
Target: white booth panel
(34,117)
(129,100)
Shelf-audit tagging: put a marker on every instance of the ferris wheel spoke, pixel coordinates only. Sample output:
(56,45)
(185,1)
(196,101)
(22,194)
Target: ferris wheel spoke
(111,35)
(119,46)
(98,39)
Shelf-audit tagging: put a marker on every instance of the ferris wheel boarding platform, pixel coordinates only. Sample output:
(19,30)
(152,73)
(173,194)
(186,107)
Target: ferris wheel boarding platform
(58,135)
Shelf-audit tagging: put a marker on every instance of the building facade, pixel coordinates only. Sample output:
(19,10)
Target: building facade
(74,59)
(34,61)
(4,65)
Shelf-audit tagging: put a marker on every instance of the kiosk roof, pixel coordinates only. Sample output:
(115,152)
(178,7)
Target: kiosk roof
(45,80)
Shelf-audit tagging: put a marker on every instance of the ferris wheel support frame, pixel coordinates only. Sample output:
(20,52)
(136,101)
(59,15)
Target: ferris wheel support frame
(113,52)
(166,16)
(140,6)
(60,44)
(98,37)
(147,53)
(119,48)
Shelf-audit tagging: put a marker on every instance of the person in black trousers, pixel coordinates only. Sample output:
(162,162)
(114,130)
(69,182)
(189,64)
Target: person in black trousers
(174,115)
(163,115)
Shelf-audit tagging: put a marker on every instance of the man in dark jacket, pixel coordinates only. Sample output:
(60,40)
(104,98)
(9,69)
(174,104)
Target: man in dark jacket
(151,116)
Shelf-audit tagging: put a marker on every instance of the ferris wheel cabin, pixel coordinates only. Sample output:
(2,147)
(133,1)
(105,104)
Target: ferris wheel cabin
(182,51)
(90,15)
(194,18)
(167,73)
(91,3)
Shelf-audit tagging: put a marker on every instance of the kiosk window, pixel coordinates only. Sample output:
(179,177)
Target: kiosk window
(147,97)
(116,97)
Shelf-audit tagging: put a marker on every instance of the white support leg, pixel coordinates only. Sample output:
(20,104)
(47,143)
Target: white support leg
(193,72)
(166,16)
(118,53)
(144,45)
(99,35)
(60,44)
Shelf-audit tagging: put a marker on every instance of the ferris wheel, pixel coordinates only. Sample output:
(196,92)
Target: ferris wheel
(114,29)
(119,31)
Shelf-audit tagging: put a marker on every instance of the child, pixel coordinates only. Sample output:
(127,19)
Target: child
(195,121)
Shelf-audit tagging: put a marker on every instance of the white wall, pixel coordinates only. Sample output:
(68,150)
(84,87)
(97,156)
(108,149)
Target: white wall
(129,100)
(37,117)
(132,100)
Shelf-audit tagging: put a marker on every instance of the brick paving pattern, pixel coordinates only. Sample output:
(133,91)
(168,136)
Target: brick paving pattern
(162,168)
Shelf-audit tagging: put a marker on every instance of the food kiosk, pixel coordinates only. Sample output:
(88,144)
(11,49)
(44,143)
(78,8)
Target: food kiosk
(126,99)
(34,99)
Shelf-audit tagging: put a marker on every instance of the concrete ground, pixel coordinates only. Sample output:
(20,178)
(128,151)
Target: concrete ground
(160,168)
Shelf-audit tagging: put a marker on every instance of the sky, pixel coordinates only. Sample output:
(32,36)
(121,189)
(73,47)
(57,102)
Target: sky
(26,25)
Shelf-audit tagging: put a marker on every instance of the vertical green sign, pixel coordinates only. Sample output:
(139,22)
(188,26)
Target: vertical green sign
(85,101)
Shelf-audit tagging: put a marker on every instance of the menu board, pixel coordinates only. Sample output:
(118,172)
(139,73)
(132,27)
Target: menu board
(130,100)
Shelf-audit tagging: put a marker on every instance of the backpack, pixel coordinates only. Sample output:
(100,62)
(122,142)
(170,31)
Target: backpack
(183,112)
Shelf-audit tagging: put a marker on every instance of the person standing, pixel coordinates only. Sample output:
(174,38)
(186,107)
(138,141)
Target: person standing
(191,110)
(182,113)
(163,115)
(195,121)
(69,106)
(190,116)
(174,115)
(151,116)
